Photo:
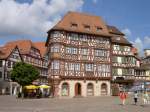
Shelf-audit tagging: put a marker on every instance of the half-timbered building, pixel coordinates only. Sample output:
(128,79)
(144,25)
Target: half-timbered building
(33,53)
(124,59)
(79,48)
(9,55)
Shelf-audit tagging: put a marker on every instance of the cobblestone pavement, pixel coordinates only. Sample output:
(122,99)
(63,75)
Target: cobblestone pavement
(91,104)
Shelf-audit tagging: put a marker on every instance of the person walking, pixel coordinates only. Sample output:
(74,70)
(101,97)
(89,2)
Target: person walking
(123,97)
(135,97)
(145,98)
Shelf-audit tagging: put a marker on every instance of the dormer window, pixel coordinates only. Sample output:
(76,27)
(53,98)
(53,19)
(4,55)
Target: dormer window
(98,29)
(74,25)
(87,27)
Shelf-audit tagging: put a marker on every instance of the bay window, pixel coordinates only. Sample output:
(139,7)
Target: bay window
(55,48)
(55,65)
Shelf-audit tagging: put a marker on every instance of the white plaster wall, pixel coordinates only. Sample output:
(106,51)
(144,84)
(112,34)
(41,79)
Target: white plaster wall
(97,87)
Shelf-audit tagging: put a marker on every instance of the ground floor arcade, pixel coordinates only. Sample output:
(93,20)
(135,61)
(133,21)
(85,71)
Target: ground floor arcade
(84,88)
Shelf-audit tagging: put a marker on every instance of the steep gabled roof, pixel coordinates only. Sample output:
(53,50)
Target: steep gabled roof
(120,40)
(6,51)
(114,30)
(23,45)
(41,46)
(117,36)
(82,20)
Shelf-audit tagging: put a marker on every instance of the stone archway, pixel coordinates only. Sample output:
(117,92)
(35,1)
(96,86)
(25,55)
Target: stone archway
(78,89)
(90,89)
(65,89)
(104,89)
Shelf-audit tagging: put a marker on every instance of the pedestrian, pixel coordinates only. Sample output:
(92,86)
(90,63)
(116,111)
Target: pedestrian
(135,97)
(123,97)
(145,97)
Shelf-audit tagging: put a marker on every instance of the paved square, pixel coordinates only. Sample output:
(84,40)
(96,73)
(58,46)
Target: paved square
(91,104)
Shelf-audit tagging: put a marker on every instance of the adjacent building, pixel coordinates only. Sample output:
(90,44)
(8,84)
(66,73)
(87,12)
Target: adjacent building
(29,52)
(124,59)
(9,55)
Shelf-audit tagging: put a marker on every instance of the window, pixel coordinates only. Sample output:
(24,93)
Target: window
(73,36)
(84,51)
(74,25)
(71,50)
(8,75)
(87,27)
(83,38)
(56,34)
(103,68)
(114,71)
(126,48)
(72,66)
(55,65)
(77,67)
(89,67)
(9,64)
(116,47)
(114,59)
(55,48)
(98,29)
(0,74)
(121,48)
(99,52)
(1,63)
(13,64)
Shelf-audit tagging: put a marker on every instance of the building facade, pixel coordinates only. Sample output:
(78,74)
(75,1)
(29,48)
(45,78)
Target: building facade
(31,53)
(80,56)
(8,57)
(124,59)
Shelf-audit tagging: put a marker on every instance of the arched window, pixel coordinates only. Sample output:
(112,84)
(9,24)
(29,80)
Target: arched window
(104,89)
(65,89)
(90,89)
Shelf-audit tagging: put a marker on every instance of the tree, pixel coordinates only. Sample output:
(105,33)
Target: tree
(24,74)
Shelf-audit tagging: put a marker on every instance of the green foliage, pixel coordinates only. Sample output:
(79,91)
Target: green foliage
(24,74)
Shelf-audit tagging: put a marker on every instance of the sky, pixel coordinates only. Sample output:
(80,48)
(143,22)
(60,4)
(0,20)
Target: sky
(31,19)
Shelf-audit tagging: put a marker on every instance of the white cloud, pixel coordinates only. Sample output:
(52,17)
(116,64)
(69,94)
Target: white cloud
(147,40)
(139,45)
(35,19)
(127,32)
(94,1)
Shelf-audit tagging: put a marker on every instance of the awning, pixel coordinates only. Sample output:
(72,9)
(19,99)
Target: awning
(31,87)
(44,86)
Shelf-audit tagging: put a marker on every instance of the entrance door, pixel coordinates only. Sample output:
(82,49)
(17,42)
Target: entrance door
(78,89)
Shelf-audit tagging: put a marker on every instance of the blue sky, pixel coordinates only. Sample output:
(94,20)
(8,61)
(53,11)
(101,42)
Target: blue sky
(27,19)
